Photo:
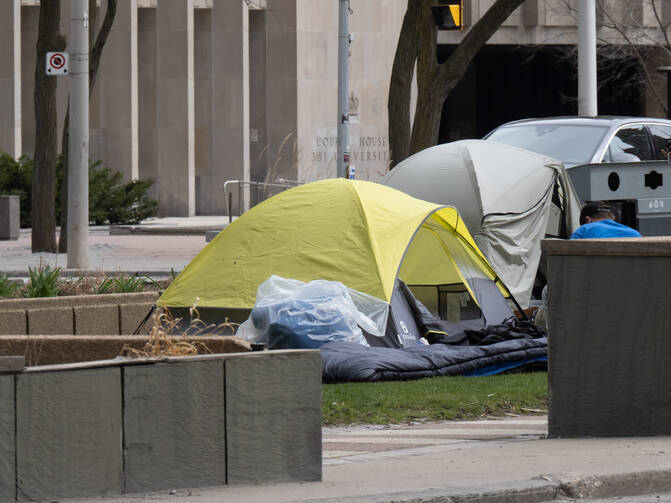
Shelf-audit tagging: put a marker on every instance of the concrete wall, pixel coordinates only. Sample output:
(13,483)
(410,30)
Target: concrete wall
(174,107)
(146,89)
(375,25)
(180,417)
(29,21)
(208,91)
(608,345)
(113,102)
(539,22)
(282,75)
(68,427)
(203,98)
(195,93)
(229,125)
(10,217)
(10,83)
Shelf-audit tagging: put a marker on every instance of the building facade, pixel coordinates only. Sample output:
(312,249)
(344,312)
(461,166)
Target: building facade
(197,93)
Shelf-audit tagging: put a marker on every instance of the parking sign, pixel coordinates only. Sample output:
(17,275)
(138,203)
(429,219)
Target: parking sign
(57,63)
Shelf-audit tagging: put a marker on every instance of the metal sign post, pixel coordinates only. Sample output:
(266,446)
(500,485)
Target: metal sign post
(587,97)
(78,154)
(343,90)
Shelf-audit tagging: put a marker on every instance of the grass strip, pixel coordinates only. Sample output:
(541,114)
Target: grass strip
(438,398)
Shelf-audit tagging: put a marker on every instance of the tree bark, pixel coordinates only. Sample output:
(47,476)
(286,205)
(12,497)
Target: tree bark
(400,85)
(436,81)
(43,236)
(95,55)
(427,115)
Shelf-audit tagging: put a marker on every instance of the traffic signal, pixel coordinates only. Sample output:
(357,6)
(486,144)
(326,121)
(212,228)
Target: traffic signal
(448,14)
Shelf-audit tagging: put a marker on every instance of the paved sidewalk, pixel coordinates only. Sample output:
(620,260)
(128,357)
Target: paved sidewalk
(507,460)
(155,248)
(356,443)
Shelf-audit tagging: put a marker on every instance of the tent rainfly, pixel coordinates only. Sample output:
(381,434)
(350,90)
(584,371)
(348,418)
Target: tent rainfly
(360,233)
(510,199)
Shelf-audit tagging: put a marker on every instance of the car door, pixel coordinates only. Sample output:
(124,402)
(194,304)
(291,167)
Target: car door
(629,144)
(661,135)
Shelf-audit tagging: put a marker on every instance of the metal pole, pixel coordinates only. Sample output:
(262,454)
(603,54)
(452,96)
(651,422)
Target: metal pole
(343,89)
(587,100)
(78,165)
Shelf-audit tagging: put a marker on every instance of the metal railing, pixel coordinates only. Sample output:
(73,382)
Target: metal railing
(250,193)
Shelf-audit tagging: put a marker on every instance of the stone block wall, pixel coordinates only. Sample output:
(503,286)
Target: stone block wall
(188,425)
(608,344)
(187,422)
(64,422)
(114,314)
(266,419)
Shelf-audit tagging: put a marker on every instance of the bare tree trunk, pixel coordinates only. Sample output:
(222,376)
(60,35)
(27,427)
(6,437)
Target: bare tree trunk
(94,62)
(447,75)
(435,82)
(427,115)
(44,176)
(400,86)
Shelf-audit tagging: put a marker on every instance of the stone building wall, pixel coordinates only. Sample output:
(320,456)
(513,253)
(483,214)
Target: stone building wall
(195,93)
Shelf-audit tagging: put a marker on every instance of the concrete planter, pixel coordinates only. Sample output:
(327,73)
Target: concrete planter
(113,314)
(10,213)
(115,427)
(57,349)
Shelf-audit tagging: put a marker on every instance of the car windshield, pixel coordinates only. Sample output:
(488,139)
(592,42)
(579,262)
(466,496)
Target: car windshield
(571,144)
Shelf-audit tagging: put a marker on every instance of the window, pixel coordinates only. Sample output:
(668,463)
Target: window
(660,139)
(570,143)
(630,144)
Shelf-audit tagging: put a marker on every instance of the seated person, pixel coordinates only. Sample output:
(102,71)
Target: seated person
(597,221)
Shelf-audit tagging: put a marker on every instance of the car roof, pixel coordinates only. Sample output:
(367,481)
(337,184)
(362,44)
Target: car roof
(604,120)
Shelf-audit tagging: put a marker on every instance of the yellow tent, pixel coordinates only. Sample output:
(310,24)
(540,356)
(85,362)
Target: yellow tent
(360,233)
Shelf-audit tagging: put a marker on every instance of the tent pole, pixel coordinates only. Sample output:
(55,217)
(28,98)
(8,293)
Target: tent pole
(519,308)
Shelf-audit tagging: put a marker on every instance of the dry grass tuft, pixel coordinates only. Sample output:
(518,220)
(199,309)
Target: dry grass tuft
(33,351)
(82,285)
(166,338)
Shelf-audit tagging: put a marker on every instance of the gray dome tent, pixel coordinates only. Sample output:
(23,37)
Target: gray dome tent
(509,198)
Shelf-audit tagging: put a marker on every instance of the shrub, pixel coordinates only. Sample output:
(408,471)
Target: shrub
(44,282)
(106,285)
(7,288)
(129,284)
(111,201)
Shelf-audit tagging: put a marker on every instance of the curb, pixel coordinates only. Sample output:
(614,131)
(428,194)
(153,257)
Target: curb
(164,231)
(75,273)
(548,488)
(608,486)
